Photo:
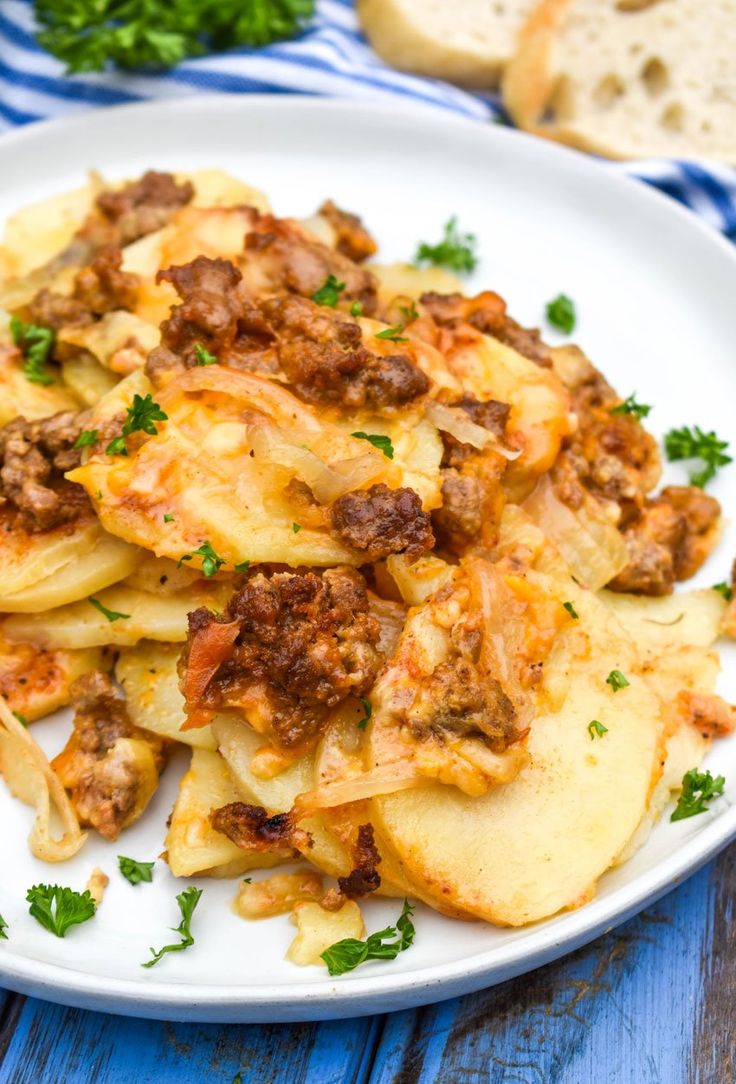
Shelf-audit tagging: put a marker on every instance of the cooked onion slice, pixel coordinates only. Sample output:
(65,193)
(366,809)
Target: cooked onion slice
(455,421)
(31,779)
(326,482)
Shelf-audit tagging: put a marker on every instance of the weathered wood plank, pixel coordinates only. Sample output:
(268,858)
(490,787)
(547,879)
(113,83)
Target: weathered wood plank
(56,1044)
(621,1010)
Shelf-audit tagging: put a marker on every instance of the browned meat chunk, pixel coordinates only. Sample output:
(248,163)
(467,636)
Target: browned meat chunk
(218,314)
(109,766)
(487,313)
(103,286)
(353,239)
(252,829)
(135,210)
(289,648)
(380,521)
(710,715)
(56,311)
(280,258)
(364,878)
(324,358)
(457,699)
(33,459)
(668,540)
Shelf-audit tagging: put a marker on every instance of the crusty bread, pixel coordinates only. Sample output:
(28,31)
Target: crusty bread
(467,42)
(629,78)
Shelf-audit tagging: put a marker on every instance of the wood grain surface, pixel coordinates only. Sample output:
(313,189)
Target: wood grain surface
(653,1002)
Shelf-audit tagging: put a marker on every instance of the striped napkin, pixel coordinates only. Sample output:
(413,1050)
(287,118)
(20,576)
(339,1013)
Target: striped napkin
(330,58)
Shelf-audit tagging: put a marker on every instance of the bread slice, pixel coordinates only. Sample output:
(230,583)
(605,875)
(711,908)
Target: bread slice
(467,42)
(629,78)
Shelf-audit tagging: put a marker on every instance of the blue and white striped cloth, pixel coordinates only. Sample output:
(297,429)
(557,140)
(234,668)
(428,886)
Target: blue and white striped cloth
(330,58)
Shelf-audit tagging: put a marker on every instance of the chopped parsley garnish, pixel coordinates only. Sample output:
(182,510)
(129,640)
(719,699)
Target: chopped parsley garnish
(211,562)
(98,495)
(561,313)
(724,589)
(617,680)
(135,872)
(356,309)
(3,928)
(571,610)
(630,406)
(21,718)
(168,517)
(349,953)
(393,334)
(409,312)
(296,527)
(596,729)
(378,440)
(329,293)
(187,902)
(111,615)
(693,443)
(87,438)
(242,566)
(456,250)
(58,908)
(160,33)
(367,713)
(34,342)
(698,788)
(142,414)
(203,357)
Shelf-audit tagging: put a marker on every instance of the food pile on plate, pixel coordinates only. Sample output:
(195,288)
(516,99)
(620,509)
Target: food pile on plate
(395,571)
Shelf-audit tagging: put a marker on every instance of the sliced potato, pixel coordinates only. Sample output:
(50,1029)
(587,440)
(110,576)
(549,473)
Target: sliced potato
(35,682)
(109,561)
(687,617)
(218,188)
(405,280)
(149,677)
(592,792)
(38,232)
(87,379)
(318,929)
(19,397)
(277,894)
(193,847)
(26,559)
(147,617)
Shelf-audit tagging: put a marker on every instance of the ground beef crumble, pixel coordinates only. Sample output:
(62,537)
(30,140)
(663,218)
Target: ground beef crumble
(254,830)
(139,208)
(364,878)
(351,236)
(380,521)
(486,312)
(288,649)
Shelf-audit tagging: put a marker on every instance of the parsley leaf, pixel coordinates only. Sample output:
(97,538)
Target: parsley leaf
(142,414)
(630,406)
(135,872)
(367,713)
(349,953)
(693,443)
(378,440)
(35,343)
(296,527)
(393,334)
(329,294)
(242,566)
(561,313)
(356,309)
(111,615)
(116,447)
(187,901)
(571,610)
(724,589)
(409,312)
(87,438)
(596,729)
(168,517)
(160,33)
(698,788)
(456,250)
(58,908)
(203,357)
(617,680)
(3,928)
(211,562)
(21,718)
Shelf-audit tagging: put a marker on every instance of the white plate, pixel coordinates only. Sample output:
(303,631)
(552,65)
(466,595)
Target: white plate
(655,294)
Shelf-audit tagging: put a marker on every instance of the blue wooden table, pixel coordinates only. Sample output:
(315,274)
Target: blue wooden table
(653,1002)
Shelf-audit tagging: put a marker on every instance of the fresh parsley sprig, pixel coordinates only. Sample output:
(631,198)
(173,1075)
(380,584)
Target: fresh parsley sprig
(187,902)
(349,953)
(687,443)
(456,250)
(58,908)
(378,440)
(724,589)
(698,789)
(87,438)
(35,343)
(3,928)
(203,357)
(111,615)
(617,681)
(571,610)
(630,406)
(135,872)
(561,313)
(367,713)
(141,417)
(596,729)
(160,33)
(329,294)
(393,334)
(211,561)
